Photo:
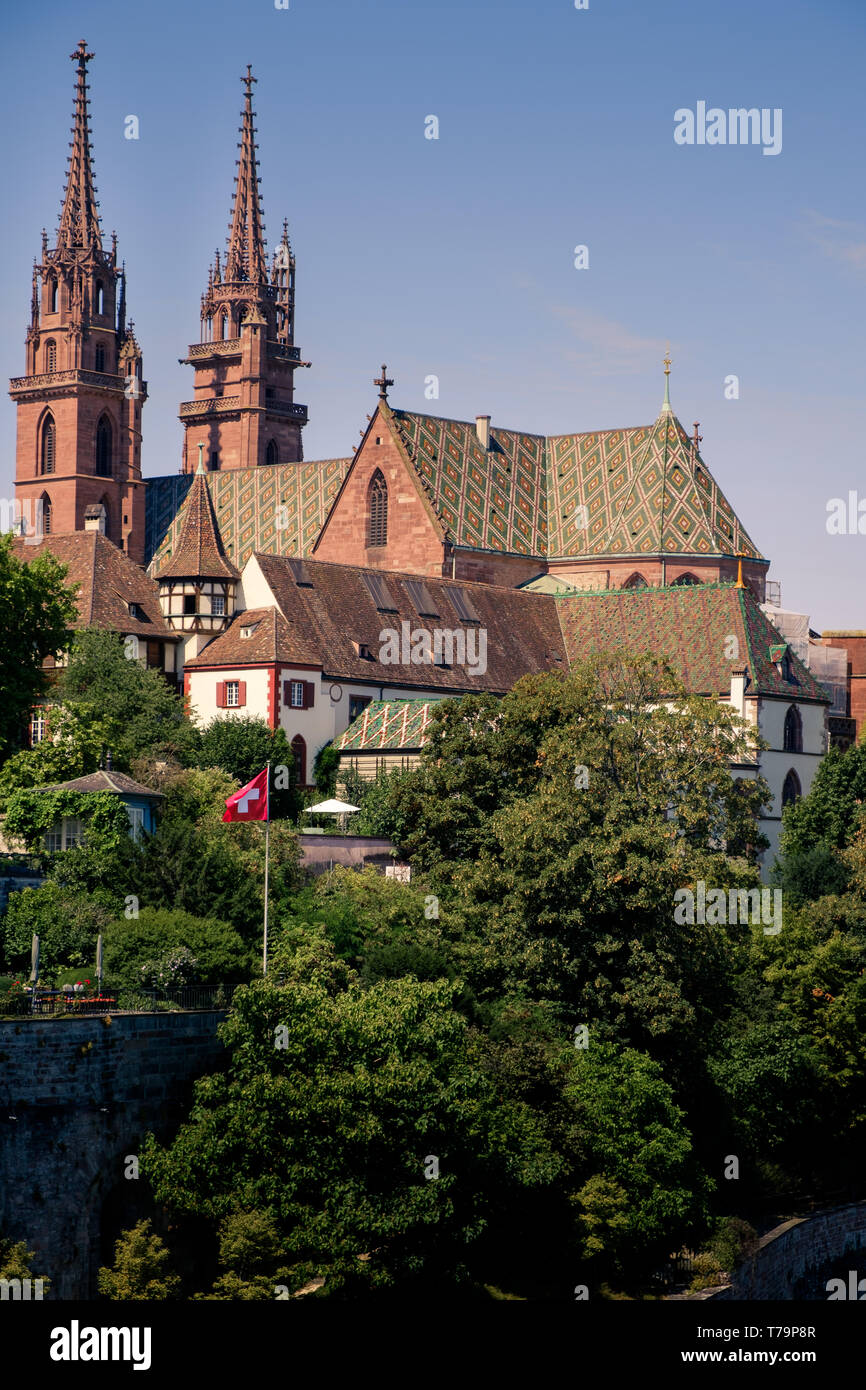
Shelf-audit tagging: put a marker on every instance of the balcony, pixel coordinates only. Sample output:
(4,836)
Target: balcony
(46,381)
(294,412)
(221,347)
(220,405)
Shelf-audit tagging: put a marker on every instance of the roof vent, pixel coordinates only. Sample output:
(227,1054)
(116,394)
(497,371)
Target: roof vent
(482,429)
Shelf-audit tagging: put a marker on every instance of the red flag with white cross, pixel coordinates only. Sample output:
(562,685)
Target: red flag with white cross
(251,802)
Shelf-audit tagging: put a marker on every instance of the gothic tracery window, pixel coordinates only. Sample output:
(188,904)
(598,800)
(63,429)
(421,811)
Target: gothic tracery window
(48,451)
(51,356)
(377,523)
(791,790)
(793,739)
(635,581)
(273,453)
(103,448)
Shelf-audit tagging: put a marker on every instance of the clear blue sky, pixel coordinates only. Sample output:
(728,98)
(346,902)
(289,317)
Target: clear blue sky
(455,256)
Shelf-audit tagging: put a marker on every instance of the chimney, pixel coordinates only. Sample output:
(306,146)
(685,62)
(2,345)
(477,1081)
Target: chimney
(94,518)
(738,691)
(482,429)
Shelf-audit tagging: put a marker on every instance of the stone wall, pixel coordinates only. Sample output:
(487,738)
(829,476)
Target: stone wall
(76,1096)
(794,1261)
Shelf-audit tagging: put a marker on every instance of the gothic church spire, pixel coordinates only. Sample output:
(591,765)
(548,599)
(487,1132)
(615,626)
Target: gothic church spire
(79,217)
(246,249)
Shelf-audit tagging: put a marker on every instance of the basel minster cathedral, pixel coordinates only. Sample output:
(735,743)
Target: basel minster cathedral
(261,581)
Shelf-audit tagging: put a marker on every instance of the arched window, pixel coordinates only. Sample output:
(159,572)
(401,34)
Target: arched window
(99,363)
(685,579)
(100,298)
(377,525)
(299,753)
(52,296)
(209,329)
(791,789)
(51,356)
(635,581)
(47,457)
(224,326)
(103,448)
(46,514)
(273,453)
(793,741)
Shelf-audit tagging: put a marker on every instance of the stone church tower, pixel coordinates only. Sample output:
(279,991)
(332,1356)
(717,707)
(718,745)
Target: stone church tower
(244,414)
(79,404)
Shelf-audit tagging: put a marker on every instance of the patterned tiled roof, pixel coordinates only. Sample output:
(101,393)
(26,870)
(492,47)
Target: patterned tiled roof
(281,508)
(613,492)
(108,582)
(692,626)
(491,499)
(199,552)
(388,724)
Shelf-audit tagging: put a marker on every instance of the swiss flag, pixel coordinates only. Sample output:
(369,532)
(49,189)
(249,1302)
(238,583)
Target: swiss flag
(251,802)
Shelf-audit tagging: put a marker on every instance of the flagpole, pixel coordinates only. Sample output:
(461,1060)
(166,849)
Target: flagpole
(267,857)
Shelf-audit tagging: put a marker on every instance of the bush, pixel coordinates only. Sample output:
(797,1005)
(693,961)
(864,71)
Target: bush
(161,935)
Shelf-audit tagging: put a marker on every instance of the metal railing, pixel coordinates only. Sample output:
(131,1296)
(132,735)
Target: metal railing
(52,1002)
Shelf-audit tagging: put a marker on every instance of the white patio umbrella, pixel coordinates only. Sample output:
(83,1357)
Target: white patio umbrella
(333,807)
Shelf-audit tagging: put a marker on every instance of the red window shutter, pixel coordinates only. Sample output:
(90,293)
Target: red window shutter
(309,694)
(242,692)
(221,694)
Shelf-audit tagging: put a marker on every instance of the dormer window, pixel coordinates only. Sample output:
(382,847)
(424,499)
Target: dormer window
(136,611)
(248,629)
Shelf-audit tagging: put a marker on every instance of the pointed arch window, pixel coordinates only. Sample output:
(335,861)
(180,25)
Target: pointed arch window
(46,514)
(793,739)
(48,448)
(224,326)
(99,363)
(299,753)
(635,581)
(377,511)
(683,579)
(100,297)
(791,790)
(52,296)
(103,448)
(51,356)
(272,454)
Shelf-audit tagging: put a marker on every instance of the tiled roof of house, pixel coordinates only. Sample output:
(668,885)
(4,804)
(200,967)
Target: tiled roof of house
(613,492)
(199,551)
(108,583)
(692,626)
(328,620)
(280,508)
(388,724)
(102,781)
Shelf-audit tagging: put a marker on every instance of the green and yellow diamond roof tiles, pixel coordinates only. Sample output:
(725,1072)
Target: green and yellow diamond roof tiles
(389,725)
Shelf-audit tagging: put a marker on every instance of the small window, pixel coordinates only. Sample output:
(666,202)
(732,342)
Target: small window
(46,514)
(273,453)
(299,753)
(379,592)
(420,596)
(136,611)
(296,694)
(100,358)
(463,605)
(52,296)
(300,573)
(136,821)
(232,693)
(100,298)
(357,705)
(51,356)
(189,605)
(377,519)
(218,605)
(248,630)
(37,727)
(103,448)
(224,326)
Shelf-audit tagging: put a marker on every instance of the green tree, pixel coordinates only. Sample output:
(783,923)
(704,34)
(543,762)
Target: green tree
(220,953)
(130,708)
(339,1106)
(141,1268)
(829,813)
(37,611)
(66,922)
(242,747)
